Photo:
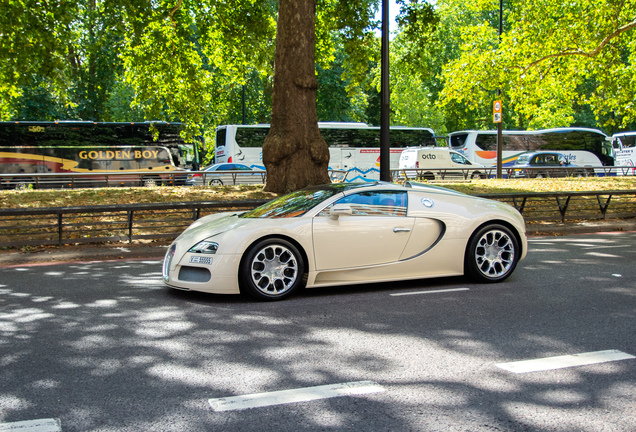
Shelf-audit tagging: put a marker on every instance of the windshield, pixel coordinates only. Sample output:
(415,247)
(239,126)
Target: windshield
(300,202)
(523,159)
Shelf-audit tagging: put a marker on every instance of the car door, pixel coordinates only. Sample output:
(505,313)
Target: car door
(376,231)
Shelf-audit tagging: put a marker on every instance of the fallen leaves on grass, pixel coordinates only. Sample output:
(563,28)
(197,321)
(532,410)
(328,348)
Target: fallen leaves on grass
(103,196)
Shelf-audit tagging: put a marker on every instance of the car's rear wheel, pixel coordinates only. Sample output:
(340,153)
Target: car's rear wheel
(272,270)
(492,254)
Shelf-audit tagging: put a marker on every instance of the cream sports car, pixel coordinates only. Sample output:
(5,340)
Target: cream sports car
(347,233)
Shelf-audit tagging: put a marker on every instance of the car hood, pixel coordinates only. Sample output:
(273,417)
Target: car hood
(211,225)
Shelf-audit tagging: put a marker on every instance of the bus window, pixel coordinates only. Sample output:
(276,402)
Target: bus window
(251,137)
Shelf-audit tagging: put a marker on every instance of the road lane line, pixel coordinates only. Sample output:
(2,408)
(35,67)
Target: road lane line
(559,362)
(429,292)
(294,395)
(42,425)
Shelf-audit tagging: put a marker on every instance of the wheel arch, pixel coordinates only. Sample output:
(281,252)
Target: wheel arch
(505,223)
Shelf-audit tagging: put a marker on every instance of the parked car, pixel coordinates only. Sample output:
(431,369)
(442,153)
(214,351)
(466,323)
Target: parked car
(546,164)
(344,234)
(432,162)
(227,174)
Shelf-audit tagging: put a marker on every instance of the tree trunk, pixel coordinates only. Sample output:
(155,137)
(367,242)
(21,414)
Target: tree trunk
(294,153)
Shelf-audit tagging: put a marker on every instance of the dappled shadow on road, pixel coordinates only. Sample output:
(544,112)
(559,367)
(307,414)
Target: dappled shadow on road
(106,347)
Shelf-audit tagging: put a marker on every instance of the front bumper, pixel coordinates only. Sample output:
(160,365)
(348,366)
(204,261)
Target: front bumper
(212,273)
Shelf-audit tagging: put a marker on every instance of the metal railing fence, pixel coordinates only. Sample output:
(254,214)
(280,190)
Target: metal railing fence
(469,173)
(106,223)
(140,178)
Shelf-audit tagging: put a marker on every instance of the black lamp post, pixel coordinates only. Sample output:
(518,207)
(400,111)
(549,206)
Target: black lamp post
(385,98)
(500,124)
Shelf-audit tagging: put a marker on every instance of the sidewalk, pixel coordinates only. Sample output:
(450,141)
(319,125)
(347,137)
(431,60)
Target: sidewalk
(86,252)
(156,250)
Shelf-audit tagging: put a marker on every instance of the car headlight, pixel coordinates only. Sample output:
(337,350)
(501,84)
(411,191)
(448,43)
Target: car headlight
(167,261)
(205,246)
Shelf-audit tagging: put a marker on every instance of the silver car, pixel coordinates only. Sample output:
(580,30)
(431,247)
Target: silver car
(227,174)
(543,164)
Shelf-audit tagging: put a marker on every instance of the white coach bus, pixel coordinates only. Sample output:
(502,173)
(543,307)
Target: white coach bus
(353,147)
(581,146)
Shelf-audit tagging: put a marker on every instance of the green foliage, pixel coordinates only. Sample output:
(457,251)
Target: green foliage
(558,64)
(555,59)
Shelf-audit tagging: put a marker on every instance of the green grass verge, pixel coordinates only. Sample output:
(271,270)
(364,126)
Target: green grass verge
(102,196)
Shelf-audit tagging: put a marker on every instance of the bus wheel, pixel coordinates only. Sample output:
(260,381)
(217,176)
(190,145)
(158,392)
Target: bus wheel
(216,182)
(23,183)
(428,176)
(150,181)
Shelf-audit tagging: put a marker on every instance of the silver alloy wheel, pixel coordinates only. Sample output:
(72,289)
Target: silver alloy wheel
(495,253)
(274,269)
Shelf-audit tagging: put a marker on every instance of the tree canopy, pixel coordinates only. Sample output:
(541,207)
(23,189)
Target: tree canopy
(557,64)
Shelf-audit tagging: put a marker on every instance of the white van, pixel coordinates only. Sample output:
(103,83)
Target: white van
(438,163)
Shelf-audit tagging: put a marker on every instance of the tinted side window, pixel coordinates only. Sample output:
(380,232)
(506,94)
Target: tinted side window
(251,137)
(486,141)
(387,203)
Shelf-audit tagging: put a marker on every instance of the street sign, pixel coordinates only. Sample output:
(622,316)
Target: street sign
(496,112)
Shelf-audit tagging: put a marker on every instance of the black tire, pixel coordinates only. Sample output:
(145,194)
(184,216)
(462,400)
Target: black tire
(216,182)
(272,269)
(150,181)
(23,183)
(492,254)
(428,176)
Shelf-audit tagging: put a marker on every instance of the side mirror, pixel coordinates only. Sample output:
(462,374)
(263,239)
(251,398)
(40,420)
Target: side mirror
(339,210)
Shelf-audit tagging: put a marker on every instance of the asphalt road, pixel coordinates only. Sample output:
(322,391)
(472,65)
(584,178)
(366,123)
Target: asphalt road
(104,346)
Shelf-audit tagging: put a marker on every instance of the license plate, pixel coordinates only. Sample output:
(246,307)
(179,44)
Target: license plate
(197,259)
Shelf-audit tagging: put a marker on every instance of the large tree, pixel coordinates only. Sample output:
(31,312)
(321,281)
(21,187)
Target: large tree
(294,153)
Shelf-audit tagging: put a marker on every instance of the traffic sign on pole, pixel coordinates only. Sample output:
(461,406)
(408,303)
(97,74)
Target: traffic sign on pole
(496,112)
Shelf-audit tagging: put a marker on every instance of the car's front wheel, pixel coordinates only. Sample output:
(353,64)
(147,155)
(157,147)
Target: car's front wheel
(492,254)
(272,270)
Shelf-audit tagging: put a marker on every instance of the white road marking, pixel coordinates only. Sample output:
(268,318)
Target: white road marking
(42,425)
(295,395)
(429,292)
(559,362)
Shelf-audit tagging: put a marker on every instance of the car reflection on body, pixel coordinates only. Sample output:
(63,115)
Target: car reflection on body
(347,233)
(227,174)
(545,164)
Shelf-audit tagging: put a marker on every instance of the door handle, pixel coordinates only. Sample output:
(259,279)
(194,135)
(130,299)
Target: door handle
(400,229)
